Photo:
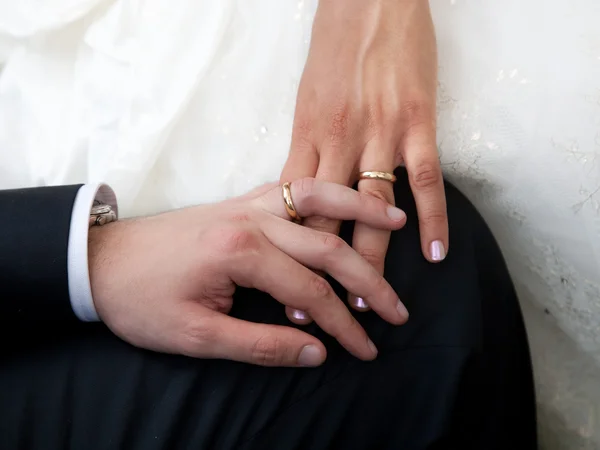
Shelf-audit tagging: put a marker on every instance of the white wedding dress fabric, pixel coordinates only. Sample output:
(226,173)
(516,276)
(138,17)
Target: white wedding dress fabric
(182,102)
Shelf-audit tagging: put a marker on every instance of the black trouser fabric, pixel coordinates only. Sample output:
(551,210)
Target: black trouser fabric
(456,376)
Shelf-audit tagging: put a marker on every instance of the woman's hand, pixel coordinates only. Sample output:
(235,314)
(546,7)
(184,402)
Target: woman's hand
(366,102)
(166,282)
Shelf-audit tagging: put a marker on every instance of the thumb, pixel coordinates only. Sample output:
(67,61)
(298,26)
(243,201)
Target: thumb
(225,337)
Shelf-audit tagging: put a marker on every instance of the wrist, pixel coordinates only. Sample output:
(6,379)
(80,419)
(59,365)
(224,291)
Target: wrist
(350,16)
(368,3)
(99,259)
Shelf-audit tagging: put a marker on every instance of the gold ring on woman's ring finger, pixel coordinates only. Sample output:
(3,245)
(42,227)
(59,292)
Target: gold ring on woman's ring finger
(377,175)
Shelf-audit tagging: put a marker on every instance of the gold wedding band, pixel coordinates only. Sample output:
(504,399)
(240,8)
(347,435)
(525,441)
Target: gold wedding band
(289,204)
(375,175)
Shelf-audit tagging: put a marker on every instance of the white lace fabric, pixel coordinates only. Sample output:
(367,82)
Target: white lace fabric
(176,103)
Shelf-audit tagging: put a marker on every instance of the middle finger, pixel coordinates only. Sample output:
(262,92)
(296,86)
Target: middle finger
(329,253)
(371,242)
(336,172)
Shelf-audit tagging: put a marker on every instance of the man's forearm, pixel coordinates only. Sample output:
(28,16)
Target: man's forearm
(34,234)
(44,252)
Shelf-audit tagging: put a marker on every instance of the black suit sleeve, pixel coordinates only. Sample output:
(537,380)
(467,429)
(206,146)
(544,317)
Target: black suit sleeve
(34,236)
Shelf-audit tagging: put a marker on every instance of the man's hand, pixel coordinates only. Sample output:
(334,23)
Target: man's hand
(166,282)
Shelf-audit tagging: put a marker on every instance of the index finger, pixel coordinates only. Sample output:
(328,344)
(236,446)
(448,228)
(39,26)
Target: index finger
(371,243)
(427,184)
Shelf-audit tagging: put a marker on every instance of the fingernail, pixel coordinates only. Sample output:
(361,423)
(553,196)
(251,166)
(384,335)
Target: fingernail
(299,315)
(402,310)
(395,213)
(310,356)
(359,303)
(438,253)
(372,346)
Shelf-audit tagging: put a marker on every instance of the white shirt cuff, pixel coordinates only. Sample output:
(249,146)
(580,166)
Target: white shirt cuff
(80,291)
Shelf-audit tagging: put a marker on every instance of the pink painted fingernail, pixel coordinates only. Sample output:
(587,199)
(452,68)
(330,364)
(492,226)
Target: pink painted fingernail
(395,213)
(359,303)
(438,253)
(299,315)
(310,356)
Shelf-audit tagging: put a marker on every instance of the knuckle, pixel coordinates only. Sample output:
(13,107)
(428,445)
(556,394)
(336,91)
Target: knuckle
(331,243)
(219,303)
(301,140)
(435,218)
(197,334)
(375,117)
(268,350)
(381,194)
(414,111)
(302,125)
(240,240)
(305,187)
(322,224)
(417,118)
(240,217)
(383,116)
(319,287)
(426,175)
(338,122)
(373,256)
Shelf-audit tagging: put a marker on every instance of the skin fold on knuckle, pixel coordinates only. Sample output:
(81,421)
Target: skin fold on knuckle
(330,243)
(375,257)
(319,289)
(415,111)
(426,175)
(237,240)
(268,350)
(196,336)
(303,192)
(302,148)
(380,194)
(339,120)
(417,118)
(219,303)
(435,219)
(322,224)
(302,129)
(376,117)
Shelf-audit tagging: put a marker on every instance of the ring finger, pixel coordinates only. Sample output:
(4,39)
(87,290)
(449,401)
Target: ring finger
(372,242)
(335,171)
